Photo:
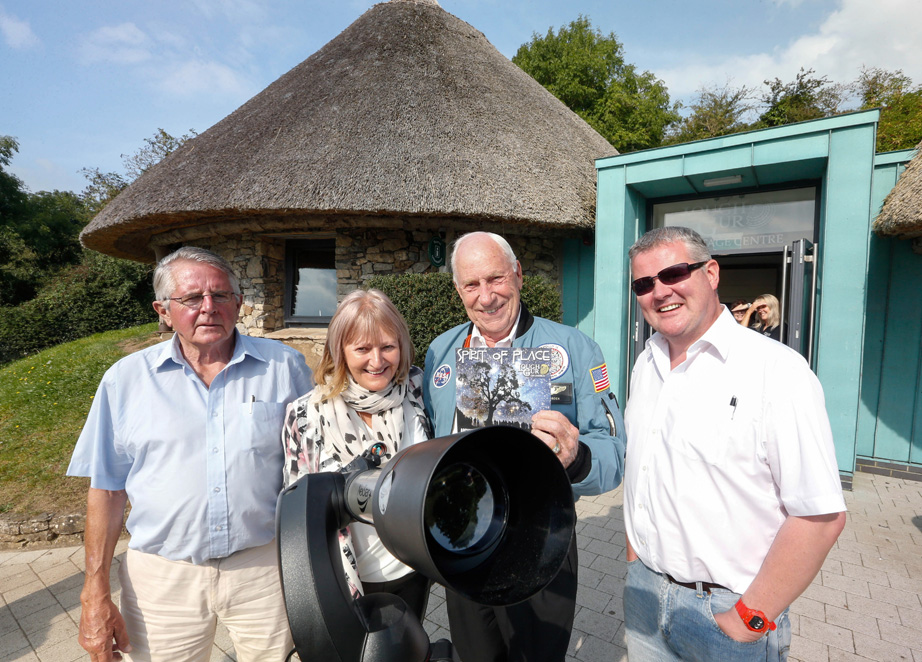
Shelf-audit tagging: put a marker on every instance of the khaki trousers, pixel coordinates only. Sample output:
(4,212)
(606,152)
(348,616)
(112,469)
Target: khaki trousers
(171,608)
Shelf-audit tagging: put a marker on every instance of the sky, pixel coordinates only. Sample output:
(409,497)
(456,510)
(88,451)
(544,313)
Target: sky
(83,83)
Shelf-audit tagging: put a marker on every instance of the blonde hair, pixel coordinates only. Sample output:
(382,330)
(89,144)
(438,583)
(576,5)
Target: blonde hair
(363,315)
(774,309)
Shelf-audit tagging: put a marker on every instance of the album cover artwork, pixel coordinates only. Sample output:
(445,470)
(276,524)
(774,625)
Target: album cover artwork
(501,386)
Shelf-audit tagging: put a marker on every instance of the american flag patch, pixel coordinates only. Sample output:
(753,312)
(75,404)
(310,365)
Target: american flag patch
(599,377)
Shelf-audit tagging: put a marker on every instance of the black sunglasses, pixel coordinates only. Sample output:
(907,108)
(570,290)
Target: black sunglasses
(668,276)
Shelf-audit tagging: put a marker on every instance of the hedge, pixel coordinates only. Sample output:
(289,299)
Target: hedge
(431,306)
(99,294)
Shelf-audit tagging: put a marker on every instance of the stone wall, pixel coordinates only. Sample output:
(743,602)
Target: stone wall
(363,250)
(17,531)
(260,265)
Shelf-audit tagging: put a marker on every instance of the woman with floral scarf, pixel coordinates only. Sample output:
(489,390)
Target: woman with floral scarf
(368,397)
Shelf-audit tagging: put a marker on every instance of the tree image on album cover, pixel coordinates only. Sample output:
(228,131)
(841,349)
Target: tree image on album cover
(501,386)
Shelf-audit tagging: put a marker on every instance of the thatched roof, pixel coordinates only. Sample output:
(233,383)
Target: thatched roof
(409,111)
(901,214)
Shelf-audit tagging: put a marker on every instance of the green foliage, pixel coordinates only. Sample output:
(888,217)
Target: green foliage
(12,190)
(104,186)
(154,151)
(804,98)
(431,306)
(38,232)
(99,294)
(51,289)
(44,400)
(586,71)
(900,125)
(716,111)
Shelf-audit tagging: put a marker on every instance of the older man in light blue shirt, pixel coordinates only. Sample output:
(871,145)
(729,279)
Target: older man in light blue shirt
(188,431)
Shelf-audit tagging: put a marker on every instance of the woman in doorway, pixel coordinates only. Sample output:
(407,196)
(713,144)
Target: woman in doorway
(368,398)
(739,308)
(768,316)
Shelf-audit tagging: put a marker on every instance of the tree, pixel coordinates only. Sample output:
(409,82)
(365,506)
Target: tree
(38,232)
(716,111)
(51,289)
(155,150)
(12,191)
(586,71)
(900,125)
(104,186)
(485,392)
(804,98)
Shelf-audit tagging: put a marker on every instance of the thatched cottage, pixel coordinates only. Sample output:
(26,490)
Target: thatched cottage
(409,125)
(901,214)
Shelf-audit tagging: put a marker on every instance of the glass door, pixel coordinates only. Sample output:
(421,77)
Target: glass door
(798,302)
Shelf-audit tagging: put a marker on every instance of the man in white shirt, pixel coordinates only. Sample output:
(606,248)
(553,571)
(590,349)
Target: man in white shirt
(732,497)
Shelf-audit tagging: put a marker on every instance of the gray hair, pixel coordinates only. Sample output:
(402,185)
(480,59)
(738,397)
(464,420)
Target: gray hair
(696,247)
(500,241)
(165,283)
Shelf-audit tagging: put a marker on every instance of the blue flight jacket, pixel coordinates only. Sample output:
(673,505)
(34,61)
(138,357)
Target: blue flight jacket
(593,412)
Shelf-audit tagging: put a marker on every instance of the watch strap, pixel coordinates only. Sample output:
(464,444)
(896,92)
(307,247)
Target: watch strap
(754,619)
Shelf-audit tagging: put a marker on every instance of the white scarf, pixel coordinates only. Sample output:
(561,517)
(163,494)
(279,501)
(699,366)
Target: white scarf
(346,436)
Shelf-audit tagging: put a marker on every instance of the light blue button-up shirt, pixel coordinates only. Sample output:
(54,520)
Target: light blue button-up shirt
(202,466)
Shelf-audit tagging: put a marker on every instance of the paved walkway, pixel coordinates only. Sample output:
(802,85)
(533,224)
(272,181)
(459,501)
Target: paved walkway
(864,605)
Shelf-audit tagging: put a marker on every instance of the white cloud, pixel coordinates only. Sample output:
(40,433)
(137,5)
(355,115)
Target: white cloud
(883,33)
(16,33)
(196,78)
(115,44)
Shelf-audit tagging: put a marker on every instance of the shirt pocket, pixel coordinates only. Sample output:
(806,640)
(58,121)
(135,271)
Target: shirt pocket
(705,431)
(260,428)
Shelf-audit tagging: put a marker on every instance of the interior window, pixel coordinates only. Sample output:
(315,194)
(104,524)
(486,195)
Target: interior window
(310,280)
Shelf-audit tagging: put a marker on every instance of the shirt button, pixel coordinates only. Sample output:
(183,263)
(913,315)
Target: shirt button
(214,414)
(218,527)
(215,450)
(217,489)
(639,506)
(643,468)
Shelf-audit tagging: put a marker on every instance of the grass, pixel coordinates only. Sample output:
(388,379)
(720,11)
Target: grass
(44,400)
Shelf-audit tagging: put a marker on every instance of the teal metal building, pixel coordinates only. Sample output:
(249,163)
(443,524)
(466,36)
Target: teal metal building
(786,211)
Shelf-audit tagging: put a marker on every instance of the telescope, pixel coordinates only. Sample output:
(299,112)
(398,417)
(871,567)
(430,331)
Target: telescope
(487,513)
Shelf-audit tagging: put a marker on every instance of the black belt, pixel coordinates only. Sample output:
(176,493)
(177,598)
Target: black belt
(707,587)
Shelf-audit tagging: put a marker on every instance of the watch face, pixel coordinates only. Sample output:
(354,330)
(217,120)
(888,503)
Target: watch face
(756,623)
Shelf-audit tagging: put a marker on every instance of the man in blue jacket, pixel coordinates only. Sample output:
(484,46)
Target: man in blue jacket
(583,427)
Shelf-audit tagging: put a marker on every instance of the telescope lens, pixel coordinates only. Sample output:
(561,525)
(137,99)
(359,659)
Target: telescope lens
(462,514)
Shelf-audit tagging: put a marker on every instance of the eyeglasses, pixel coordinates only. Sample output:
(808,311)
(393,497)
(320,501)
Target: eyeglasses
(194,301)
(668,276)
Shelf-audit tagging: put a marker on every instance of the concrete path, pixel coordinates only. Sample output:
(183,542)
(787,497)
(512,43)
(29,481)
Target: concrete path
(864,605)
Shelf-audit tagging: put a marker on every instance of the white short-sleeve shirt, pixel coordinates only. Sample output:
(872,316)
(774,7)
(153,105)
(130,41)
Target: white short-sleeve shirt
(720,451)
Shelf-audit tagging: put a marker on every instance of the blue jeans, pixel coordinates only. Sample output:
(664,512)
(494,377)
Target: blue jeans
(665,622)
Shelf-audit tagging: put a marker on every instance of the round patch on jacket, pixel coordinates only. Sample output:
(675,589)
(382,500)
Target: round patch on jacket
(560,360)
(441,376)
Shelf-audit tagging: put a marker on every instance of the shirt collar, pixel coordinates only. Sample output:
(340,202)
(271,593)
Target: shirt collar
(718,338)
(243,347)
(477,339)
